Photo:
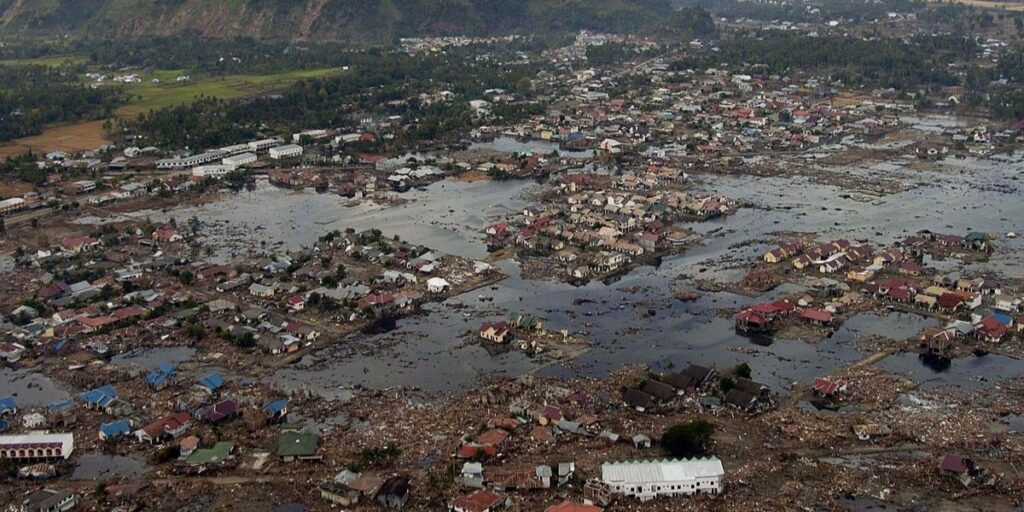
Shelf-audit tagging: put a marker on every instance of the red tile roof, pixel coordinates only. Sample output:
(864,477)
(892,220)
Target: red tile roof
(569,506)
(479,501)
(816,315)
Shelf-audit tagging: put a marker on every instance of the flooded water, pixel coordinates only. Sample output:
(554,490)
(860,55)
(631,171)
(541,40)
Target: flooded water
(895,326)
(511,145)
(423,351)
(970,373)
(293,220)
(1015,423)
(148,358)
(100,466)
(30,389)
(430,352)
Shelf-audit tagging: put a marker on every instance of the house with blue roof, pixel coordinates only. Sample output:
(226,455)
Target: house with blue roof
(160,377)
(115,429)
(60,405)
(100,398)
(8,406)
(212,382)
(1003,318)
(278,409)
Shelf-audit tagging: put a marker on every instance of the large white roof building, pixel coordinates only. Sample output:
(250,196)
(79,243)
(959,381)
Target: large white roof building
(649,479)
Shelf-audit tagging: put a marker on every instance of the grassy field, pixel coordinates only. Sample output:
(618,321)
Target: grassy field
(169,92)
(148,95)
(1016,6)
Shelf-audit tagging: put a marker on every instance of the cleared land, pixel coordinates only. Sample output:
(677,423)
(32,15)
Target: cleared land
(67,138)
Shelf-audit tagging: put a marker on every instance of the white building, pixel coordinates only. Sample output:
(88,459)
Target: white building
(190,161)
(235,149)
(11,205)
(647,480)
(84,186)
(37,446)
(211,171)
(288,151)
(264,144)
(312,134)
(236,161)
(437,285)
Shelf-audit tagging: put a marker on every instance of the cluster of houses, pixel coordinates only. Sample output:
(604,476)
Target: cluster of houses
(740,393)
(273,301)
(703,114)
(597,225)
(202,400)
(976,306)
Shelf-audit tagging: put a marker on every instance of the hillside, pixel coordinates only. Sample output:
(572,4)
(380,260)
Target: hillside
(340,20)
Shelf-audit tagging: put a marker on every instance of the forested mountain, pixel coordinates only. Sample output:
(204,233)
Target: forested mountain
(373,21)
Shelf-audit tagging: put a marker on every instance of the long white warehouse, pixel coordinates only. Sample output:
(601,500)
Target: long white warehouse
(287,151)
(647,480)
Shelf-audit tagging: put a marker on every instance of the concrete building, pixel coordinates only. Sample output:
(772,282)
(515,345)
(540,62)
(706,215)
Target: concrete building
(236,161)
(211,171)
(11,205)
(236,149)
(263,145)
(37,446)
(312,134)
(190,161)
(288,151)
(647,480)
(49,500)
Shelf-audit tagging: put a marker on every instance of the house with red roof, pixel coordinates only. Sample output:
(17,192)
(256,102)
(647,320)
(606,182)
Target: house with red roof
(166,234)
(749,320)
(480,501)
(378,303)
(494,437)
(950,302)
(958,467)
(474,450)
(817,316)
(221,411)
(296,303)
(164,428)
(498,332)
(990,329)
(569,506)
(828,387)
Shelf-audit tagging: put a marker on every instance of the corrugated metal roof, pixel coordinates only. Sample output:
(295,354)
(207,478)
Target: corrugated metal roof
(641,472)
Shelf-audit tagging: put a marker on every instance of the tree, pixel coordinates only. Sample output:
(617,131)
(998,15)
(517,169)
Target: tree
(246,340)
(691,439)
(195,331)
(741,370)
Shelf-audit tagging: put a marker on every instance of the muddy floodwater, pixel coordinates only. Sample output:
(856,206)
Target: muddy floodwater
(636,319)
(100,466)
(148,358)
(30,389)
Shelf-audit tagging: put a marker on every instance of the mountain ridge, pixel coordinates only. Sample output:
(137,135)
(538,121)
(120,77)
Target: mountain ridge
(341,20)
